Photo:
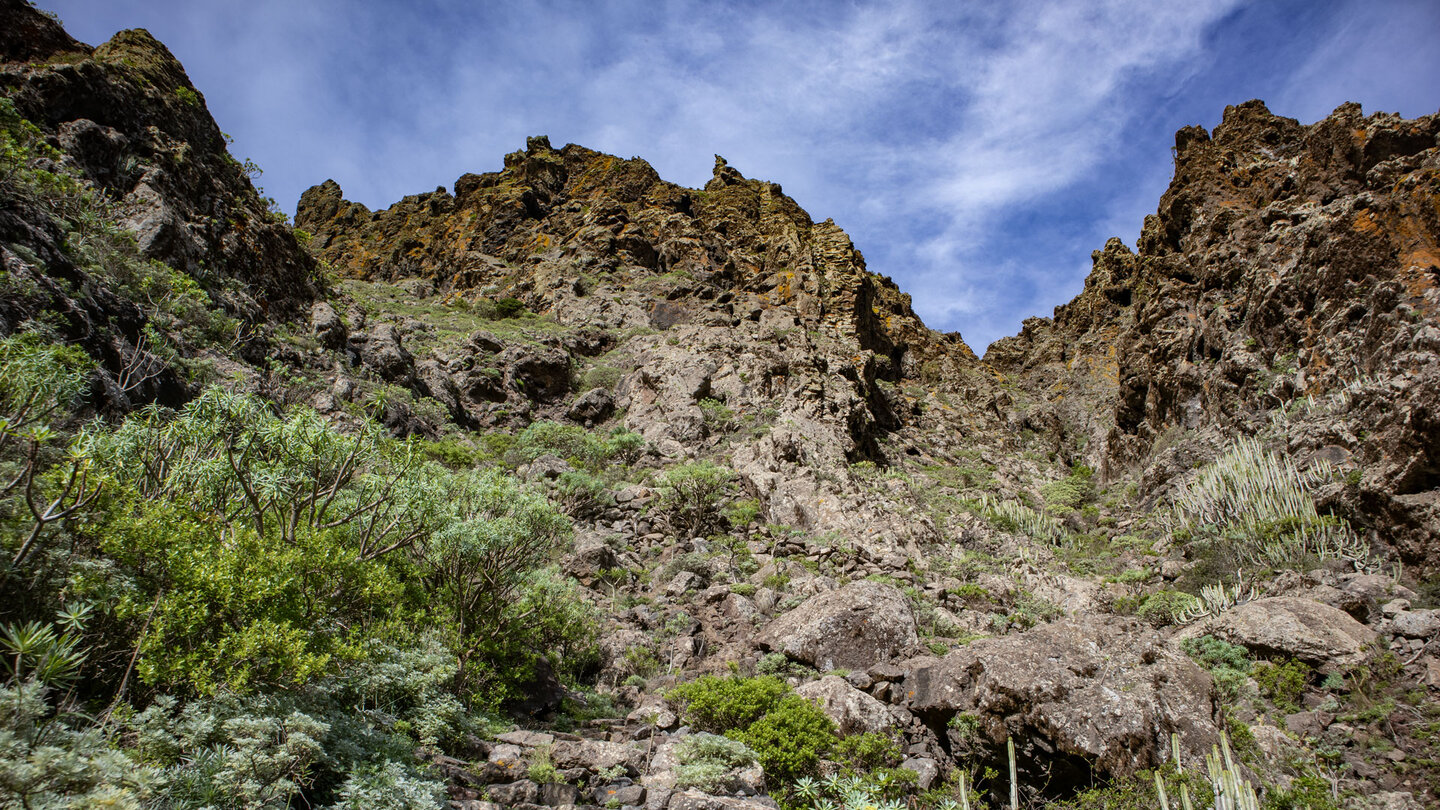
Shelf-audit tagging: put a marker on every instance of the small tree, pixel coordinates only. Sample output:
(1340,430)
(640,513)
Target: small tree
(691,496)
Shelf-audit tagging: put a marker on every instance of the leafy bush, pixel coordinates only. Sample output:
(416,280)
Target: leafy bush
(1069,492)
(718,705)
(1282,682)
(691,496)
(706,760)
(509,307)
(1164,608)
(580,447)
(56,760)
(391,786)
(719,417)
(791,739)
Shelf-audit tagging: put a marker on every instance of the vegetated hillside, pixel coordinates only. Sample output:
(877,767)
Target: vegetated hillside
(576,487)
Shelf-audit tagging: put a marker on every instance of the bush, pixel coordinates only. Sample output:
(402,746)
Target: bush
(718,705)
(508,307)
(791,739)
(1164,608)
(51,759)
(706,760)
(1283,683)
(691,495)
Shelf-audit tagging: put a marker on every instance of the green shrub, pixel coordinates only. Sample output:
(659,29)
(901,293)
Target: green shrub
(1164,608)
(1070,492)
(790,739)
(691,495)
(1283,683)
(508,307)
(718,705)
(718,416)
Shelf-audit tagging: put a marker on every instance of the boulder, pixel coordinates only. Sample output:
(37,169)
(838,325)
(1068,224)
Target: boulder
(852,710)
(598,755)
(1320,635)
(854,627)
(1416,623)
(592,407)
(384,354)
(1098,692)
(327,326)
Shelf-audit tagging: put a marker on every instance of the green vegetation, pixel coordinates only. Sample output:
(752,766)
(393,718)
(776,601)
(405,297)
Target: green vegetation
(299,608)
(692,494)
(1255,505)
(788,735)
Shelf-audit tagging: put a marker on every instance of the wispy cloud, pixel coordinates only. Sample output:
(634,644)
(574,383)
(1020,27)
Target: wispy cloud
(976,152)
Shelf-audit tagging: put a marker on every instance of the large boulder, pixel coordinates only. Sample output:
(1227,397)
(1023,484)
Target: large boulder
(1094,694)
(852,710)
(854,627)
(1316,633)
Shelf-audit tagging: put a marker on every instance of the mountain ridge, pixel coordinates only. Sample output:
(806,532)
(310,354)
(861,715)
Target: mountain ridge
(690,456)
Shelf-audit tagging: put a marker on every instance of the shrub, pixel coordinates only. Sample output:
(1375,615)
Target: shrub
(718,705)
(508,307)
(791,739)
(691,495)
(1283,683)
(51,759)
(718,416)
(1259,503)
(1164,608)
(706,760)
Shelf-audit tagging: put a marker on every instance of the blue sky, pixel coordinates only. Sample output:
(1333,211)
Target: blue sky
(975,151)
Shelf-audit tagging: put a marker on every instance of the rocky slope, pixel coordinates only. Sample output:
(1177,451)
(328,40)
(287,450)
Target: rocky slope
(947,551)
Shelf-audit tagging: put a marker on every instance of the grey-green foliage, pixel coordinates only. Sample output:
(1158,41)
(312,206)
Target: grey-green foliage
(391,786)
(1263,500)
(37,379)
(231,454)
(708,760)
(269,751)
(497,533)
(1069,492)
(51,760)
(583,448)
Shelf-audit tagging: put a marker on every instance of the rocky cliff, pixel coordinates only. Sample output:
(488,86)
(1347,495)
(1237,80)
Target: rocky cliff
(1203,499)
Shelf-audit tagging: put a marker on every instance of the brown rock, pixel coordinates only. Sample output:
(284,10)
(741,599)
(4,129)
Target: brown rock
(852,710)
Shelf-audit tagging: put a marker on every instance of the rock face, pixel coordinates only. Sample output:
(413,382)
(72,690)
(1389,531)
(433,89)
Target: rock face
(855,627)
(130,120)
(1094,693)
(124,120)
(1292,627)
(1285,264)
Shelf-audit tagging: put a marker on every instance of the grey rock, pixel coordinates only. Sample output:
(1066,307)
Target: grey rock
(852,710)
(926,771)
(327,326)
(1418,624)
(854,627)
(592,407)
(1108,689)
(1315,633)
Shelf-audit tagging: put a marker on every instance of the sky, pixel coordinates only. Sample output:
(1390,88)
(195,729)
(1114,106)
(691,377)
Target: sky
(976,152)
